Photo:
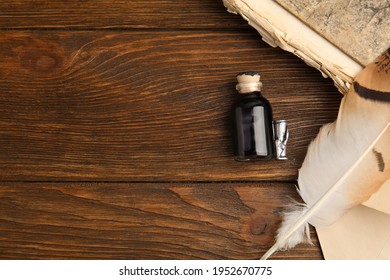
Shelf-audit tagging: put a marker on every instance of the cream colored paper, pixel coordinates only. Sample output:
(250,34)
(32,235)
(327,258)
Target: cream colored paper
(362,234)
(380,200)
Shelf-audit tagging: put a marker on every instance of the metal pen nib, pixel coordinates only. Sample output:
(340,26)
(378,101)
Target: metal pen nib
(280,136)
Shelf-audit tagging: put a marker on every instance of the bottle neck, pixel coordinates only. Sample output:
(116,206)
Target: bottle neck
(253,94)
(249,87)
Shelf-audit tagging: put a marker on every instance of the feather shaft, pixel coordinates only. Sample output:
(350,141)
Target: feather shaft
(303,219)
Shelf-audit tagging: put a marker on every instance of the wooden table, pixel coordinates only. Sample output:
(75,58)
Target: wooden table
(115,132)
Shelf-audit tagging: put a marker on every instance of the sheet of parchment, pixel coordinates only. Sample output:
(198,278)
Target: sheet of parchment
(380,200)
(362,234)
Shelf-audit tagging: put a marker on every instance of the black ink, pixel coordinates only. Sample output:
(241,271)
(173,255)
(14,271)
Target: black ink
(252,118)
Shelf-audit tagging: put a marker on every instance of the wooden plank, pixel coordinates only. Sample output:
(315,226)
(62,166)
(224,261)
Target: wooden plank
(143,221)
(141,106)
(116,14)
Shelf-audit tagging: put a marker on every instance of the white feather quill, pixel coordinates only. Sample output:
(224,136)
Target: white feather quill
(347,162)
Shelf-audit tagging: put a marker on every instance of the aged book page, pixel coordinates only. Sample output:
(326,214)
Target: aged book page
(359,28)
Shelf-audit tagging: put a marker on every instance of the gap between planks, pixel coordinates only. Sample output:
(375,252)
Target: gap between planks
(265,182)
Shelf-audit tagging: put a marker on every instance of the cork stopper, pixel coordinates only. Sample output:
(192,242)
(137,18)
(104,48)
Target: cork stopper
(248,82)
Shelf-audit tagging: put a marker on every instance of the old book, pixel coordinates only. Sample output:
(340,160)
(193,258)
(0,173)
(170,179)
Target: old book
(338,37)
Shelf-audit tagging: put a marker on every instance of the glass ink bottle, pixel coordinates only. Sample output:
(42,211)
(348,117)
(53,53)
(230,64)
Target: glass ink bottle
(254,137)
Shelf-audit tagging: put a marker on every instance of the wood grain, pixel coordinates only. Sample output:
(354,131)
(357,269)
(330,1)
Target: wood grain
(143,221)
(111,14)
(145,106)
(115,132)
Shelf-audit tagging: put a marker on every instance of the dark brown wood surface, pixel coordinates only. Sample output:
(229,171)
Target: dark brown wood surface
(109,14)
(115,132)
(132,221)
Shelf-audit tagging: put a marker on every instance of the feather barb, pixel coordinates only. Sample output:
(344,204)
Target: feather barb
(306,213)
